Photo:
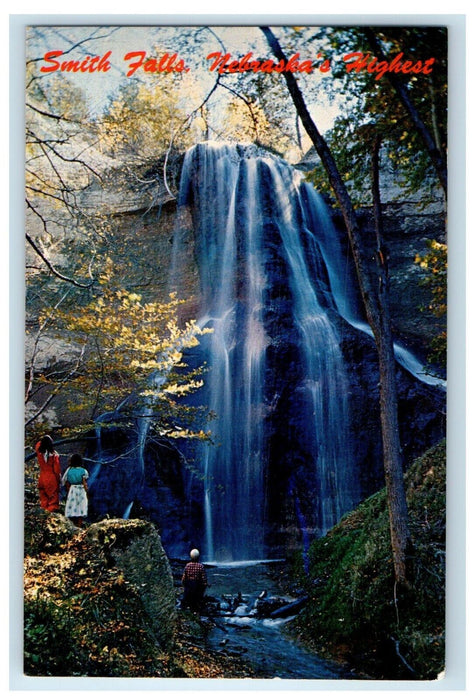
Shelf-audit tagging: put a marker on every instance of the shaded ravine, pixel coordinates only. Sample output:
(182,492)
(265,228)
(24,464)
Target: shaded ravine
(262,642)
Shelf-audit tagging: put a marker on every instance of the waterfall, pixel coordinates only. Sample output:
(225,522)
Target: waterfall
(254,243)
(344,292)
(325,376)
(118,467)
(295,434)
(232,282)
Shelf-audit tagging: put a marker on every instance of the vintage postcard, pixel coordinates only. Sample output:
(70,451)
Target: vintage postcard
(236,248)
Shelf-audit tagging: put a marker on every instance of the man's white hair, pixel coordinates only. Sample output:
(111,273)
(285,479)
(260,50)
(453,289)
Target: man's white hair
(194,554)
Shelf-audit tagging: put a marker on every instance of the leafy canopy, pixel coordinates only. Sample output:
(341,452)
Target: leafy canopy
(129,354)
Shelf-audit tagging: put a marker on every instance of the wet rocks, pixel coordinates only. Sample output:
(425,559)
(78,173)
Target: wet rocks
(268,606)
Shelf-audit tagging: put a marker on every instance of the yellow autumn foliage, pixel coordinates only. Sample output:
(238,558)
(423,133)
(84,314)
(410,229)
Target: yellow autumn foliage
(125,348)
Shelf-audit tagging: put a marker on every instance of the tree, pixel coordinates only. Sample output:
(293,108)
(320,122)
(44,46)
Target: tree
(378,317)
(129,354)
(153,107)
(432,144)
(367,104)
(97,339)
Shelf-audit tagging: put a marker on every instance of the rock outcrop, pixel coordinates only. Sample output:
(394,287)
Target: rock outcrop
(128,555)
(46,532)
(134,547)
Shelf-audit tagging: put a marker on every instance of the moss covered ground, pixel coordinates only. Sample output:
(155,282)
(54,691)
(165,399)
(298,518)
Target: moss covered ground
(355,610)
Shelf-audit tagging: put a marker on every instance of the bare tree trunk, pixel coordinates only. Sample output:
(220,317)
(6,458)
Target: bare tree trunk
(376,307)
(393,470)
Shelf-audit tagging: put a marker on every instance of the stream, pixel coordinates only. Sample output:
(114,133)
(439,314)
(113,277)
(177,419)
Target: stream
(261,641)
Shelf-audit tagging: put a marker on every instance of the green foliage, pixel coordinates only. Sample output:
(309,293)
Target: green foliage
(49,646)
(346,566)
(369,107)
(434,262)
(354,604)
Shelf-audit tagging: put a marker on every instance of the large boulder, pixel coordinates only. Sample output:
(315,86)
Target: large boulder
(135,547)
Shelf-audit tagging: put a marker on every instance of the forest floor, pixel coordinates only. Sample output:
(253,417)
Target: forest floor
(83,621)
(82,617)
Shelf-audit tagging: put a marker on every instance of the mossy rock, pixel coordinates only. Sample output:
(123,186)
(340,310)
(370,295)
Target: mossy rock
(390,632)
(135,547)
(46,532)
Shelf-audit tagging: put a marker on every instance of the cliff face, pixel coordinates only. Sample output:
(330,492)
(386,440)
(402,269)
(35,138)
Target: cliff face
(408,226)
(143,225)
(142,212)
(147,218)
(167,496)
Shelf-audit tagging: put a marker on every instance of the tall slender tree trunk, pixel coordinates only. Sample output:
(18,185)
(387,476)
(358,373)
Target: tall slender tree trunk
(376,307)
(393,468)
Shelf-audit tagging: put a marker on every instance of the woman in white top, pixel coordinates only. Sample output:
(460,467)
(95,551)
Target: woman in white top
(75,479)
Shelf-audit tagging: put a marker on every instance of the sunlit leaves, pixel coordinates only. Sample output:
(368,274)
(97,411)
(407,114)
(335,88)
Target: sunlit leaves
(155,108)
(434,262)
(128,347)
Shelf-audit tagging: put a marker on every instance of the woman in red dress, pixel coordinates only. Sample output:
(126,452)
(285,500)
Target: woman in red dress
(50,473)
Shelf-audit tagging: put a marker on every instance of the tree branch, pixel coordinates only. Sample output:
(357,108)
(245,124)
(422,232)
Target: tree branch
(49,265)
(35,350)
(56,390)
(437,158)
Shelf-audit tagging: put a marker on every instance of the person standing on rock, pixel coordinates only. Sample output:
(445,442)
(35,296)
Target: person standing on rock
(194,582)
(75,479)
(50,474)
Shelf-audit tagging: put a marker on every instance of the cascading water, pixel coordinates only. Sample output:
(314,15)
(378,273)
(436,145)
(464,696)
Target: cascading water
(324,370)
(251,218)
(232,281)
(296,436)
(344,291)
